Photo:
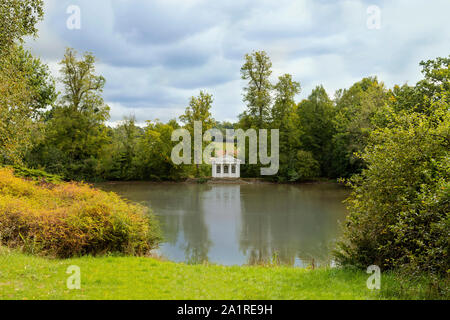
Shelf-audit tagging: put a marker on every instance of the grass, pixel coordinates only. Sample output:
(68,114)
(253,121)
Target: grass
(25,277)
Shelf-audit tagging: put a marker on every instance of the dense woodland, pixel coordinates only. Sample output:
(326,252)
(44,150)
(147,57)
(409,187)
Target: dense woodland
(390,144)
(65,132)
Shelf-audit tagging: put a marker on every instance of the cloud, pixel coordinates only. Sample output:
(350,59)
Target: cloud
(156,54)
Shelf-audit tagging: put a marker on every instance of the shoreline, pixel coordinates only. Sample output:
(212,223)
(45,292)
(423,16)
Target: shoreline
(218,181)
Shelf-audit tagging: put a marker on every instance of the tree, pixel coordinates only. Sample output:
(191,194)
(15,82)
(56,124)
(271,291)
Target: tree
(76,130)
(257,70)
(199,109)
(119,158)
(404,98)
(130,134)
(428,90)
(38,78)
(359,110)
(257,96)
(82,88)
(22,78)
(15,111)
(316,116)
(153,156)
(436,79)
(18,19)
(286,89)
(42,94)
(285,119)
(26,88)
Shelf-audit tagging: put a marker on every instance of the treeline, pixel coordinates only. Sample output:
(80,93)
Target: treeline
(66,133)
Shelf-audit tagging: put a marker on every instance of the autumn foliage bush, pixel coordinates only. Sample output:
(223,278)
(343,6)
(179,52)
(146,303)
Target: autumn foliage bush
(71,219)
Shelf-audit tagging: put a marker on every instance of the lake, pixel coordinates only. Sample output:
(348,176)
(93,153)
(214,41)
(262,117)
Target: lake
(234,224)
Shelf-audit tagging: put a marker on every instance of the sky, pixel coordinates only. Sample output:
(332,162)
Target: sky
(156,54)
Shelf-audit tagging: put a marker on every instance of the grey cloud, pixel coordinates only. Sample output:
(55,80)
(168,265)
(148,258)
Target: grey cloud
(156,54)
(160,22)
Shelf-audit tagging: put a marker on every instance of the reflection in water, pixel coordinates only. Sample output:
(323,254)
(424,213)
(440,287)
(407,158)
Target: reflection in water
(295,224)
(196,237)
(239,224)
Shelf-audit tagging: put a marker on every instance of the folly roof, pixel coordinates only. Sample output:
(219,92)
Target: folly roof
(225,159)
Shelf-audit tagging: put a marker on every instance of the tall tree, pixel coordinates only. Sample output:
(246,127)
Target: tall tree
(82,87)
(285,118)
(359,110)
(257,70)
(15,111)
(199,109)
(316,120)
(41,95)
(76,126)
(286,89)
(22,78)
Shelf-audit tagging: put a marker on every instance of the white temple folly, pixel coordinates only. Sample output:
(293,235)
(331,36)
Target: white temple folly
(226,166)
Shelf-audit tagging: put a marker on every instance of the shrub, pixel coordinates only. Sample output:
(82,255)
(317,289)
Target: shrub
(71,219)
(400,206)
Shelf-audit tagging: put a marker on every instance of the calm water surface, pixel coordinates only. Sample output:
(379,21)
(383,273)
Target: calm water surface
(243,224)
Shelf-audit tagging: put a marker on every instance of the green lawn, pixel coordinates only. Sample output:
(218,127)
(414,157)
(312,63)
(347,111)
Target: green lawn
(30,277)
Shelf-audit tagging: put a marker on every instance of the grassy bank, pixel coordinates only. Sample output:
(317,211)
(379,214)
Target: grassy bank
(30,277)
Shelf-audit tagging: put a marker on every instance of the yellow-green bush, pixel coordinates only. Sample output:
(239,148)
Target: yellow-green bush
(71,219)
(399,211)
